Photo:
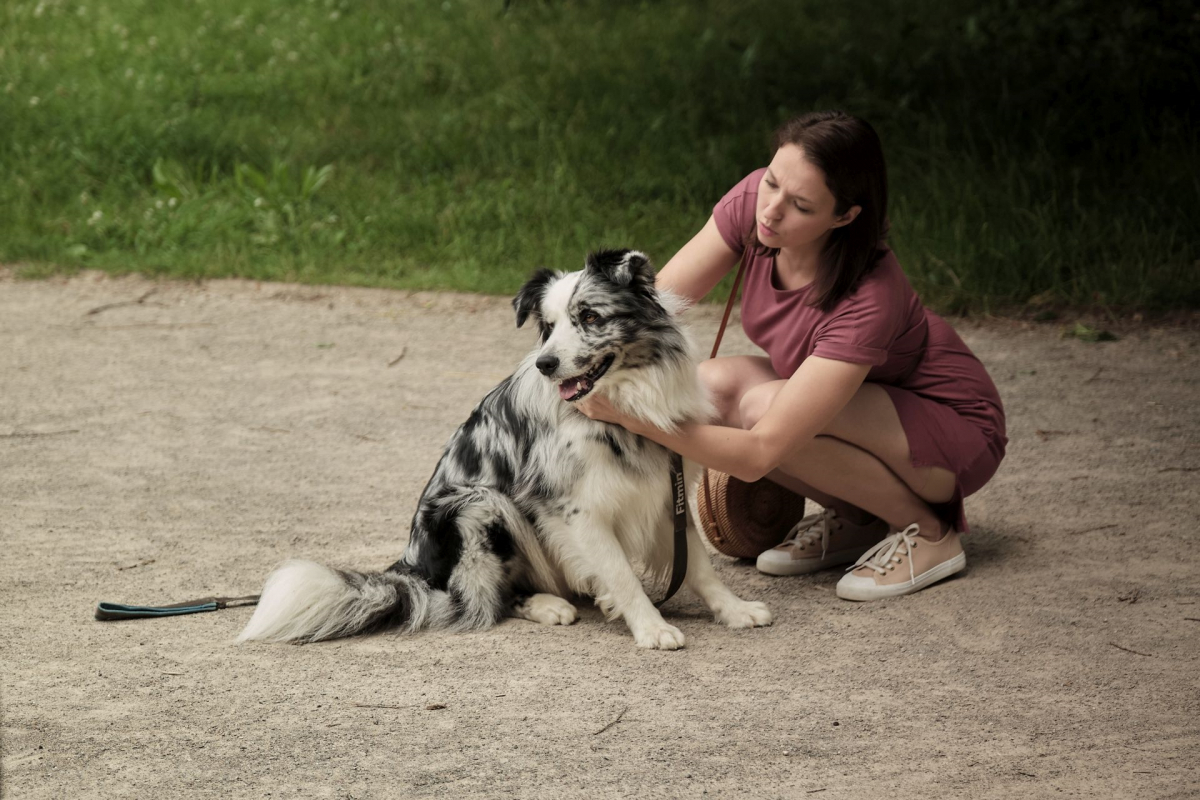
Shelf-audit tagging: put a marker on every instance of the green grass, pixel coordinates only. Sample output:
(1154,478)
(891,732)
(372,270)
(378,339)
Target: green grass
(459,145)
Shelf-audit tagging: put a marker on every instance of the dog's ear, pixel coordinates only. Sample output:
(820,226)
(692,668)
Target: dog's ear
(529,298)
(624,268)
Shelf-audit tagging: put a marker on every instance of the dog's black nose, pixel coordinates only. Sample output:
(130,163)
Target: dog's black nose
(547,364)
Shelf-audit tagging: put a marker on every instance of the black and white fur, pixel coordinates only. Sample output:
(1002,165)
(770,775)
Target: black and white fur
(532,501)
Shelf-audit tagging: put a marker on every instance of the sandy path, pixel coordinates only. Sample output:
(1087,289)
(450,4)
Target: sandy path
(181,446)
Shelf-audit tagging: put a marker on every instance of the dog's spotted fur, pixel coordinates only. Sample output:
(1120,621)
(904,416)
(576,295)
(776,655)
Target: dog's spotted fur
(531,500)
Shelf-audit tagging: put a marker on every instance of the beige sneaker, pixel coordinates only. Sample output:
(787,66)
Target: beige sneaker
(820,541)
(901,564)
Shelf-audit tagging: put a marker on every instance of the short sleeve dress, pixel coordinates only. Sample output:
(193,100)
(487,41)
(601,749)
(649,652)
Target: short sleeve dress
(948,405)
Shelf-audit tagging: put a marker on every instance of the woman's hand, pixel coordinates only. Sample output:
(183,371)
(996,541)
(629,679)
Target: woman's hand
(597,407)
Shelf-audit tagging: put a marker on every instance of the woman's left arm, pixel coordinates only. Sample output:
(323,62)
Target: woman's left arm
(804,407)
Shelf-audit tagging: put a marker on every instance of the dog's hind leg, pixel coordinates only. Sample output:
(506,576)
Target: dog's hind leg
(727,607)
(548,609)
(467,543)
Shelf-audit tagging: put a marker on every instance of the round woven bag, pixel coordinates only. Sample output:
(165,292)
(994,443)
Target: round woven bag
(744,519)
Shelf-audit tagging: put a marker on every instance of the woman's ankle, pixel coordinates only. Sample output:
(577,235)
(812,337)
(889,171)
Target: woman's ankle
(933,530)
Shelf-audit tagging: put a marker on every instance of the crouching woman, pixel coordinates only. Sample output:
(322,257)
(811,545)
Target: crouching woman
(866,401)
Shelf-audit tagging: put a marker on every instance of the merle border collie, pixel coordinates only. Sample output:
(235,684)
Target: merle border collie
(532,502)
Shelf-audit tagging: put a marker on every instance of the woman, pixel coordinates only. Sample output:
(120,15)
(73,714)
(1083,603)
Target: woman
(867,402)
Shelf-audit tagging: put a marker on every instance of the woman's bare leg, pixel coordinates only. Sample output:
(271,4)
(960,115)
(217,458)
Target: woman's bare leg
(728,380)
(862,459)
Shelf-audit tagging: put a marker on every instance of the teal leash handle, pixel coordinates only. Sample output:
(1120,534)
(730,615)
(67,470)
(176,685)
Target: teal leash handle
(109,612)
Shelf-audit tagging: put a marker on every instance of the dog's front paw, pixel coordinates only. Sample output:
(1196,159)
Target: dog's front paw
(659,636)
(745,614)
(548,609)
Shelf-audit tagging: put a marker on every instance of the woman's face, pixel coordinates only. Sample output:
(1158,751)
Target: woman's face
(795,207)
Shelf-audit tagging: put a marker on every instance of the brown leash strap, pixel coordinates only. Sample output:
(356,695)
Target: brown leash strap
(716,346)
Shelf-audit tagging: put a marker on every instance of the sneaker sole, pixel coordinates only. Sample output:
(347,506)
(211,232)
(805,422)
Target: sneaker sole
(875,592)
(804,566)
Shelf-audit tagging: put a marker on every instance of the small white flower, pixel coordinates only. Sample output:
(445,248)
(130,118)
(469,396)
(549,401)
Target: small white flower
(158,203)
(96,216)
(293,56)
(334,15)
(33,101)
(258,202)
(171,202)
(41,7)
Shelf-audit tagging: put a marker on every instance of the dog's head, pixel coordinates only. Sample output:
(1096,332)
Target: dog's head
(598,322)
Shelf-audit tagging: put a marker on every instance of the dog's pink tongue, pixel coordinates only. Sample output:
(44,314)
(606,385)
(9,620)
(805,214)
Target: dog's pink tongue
(568,389)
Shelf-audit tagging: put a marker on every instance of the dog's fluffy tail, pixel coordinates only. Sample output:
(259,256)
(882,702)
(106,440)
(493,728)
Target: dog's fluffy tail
(306,602)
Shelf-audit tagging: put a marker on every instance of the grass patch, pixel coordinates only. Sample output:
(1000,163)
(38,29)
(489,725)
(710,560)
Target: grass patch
(459,145)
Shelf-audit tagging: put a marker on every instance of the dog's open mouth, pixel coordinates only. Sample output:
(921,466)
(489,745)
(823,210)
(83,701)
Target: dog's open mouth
(575,388)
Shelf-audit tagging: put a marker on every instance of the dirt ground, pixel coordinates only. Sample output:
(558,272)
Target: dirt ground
(164,441)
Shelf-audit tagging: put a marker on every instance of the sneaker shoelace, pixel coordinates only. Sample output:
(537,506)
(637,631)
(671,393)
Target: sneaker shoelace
(808,529)
(888,552)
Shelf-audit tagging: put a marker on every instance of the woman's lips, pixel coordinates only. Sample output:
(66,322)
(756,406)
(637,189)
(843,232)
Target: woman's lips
(763,230)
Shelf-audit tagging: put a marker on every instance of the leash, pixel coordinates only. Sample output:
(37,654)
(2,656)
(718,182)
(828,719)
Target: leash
(108,612)
(679,565)
(111,612)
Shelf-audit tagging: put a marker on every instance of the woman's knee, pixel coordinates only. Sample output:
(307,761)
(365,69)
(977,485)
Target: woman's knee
(755,401)
(723,386)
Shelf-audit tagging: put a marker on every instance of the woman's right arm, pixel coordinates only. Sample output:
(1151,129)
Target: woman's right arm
(699,265)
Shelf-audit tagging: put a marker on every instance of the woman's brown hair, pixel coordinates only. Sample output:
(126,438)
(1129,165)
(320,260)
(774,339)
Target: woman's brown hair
(847,150)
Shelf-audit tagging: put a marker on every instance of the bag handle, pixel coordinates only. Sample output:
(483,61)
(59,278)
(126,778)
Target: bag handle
(716,346)
(728,308)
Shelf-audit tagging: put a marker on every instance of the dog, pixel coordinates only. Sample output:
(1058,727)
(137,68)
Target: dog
(532,501)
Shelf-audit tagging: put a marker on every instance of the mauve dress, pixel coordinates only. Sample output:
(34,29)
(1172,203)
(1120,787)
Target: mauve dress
(948,406)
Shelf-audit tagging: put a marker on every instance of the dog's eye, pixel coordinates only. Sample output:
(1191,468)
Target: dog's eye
(590,318)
